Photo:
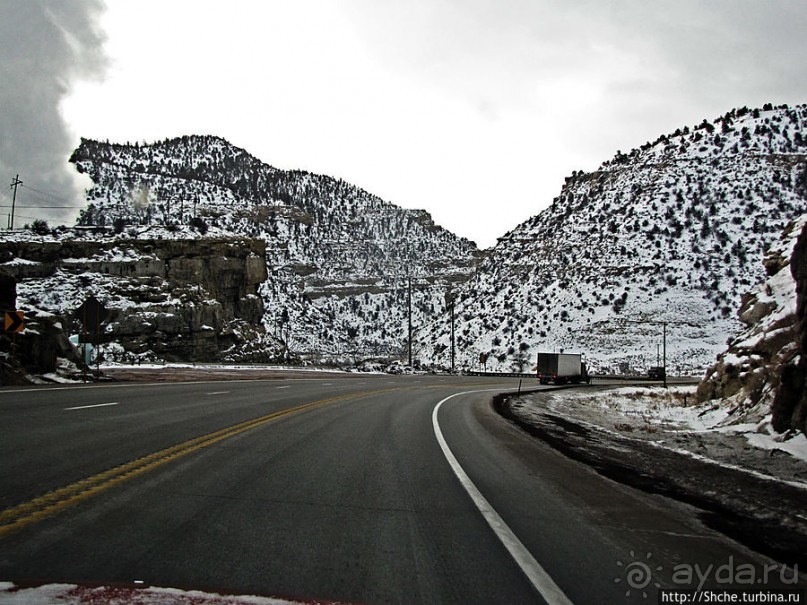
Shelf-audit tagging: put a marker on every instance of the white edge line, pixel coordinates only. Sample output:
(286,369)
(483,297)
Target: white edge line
(536,574)
(97,405)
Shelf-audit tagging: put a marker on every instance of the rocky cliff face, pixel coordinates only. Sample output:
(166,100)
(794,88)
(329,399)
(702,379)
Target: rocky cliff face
(42,347)
(790,406)
(763,370)
(166,299)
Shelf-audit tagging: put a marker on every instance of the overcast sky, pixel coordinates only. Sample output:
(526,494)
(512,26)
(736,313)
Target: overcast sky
(475,110)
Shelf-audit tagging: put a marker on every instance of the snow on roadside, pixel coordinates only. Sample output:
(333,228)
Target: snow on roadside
(795,446)
(62,594)
(258,367)
(670,418)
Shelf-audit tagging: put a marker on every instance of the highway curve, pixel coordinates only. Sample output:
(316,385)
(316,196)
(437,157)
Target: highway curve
(323,489)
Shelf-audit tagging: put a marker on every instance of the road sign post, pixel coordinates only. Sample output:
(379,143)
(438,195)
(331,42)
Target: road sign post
(91,314)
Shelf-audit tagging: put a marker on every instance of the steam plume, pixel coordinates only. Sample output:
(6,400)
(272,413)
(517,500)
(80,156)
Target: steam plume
(45,46)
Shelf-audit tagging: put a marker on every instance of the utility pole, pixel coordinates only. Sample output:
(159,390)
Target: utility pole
(14,184)
(664,341)
(409,305)
(450,298)
(452,335)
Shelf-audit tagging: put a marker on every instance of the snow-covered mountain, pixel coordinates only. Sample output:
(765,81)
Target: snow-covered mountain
(673,232)
(339,259)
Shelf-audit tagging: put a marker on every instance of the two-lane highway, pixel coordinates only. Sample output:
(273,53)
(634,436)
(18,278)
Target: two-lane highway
(56,435)
(348,489)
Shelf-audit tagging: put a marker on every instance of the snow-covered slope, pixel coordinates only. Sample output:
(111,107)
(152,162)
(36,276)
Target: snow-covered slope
(339,259)
(672,232)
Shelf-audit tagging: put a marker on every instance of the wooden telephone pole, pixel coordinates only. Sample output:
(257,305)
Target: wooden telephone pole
(15,183)
(450,299)
(409,306)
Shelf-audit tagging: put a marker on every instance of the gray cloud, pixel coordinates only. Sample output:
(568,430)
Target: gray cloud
(657,65)
(704,42)
(45,46)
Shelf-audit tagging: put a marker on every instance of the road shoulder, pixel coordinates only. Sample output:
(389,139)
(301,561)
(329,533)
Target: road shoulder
(763,512)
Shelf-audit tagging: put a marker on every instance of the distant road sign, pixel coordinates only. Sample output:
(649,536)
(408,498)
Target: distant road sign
(91,313)
(14,321)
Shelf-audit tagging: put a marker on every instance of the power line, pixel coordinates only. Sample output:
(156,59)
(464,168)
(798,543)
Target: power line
(49,203)
(27,217)
(33,218)
(47,193)
(29,196)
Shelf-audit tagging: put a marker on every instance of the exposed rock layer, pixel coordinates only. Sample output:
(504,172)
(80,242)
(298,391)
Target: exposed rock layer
(790,405)
(763,370)
(171,299)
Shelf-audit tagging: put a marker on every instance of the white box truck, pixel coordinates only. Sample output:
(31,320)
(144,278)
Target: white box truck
(561,368)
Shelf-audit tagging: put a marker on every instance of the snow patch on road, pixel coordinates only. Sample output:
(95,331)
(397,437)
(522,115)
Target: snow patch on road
(61,594)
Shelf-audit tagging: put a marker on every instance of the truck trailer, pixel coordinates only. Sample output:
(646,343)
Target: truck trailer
(561,368)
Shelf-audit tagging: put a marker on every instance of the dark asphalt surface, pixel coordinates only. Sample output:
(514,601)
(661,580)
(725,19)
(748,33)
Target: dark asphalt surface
(351,501)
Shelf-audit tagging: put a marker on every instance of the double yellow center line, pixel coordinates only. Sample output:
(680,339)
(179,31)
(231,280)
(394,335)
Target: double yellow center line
(33,511)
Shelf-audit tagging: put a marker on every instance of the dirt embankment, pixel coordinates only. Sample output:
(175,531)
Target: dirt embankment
(766,514)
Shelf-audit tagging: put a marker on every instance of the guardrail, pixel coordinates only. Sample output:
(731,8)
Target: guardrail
(596,377)
(501,374)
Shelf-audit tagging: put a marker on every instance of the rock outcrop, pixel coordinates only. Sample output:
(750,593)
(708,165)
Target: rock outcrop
(790,405)
(38,347)
(763,370)
(175,300)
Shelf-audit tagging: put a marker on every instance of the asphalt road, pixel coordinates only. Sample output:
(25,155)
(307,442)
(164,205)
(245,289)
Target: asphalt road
(350,489)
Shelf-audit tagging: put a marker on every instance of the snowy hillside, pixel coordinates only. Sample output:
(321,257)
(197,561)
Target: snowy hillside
(338,257)
(674,232)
